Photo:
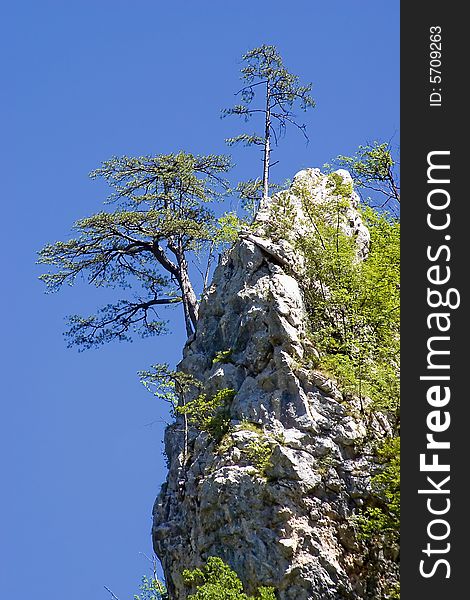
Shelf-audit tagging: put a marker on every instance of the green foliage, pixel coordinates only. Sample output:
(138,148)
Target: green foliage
(384,518)
(151,589)
(223,356)
(283,216)
(210,414)
(227,229)
(217,581)
(264,64)
(162,215)
(250,426)
(245,138)
(251,192)
(325,463)
(169,385)
(225,443)
(354,324)
(206,413)
(371,162)
(394,592)
(354,305)
(374,168)
(259,452)
(340,188)
(281,91)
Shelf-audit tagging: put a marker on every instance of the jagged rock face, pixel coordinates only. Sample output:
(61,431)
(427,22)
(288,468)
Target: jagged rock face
(282,522)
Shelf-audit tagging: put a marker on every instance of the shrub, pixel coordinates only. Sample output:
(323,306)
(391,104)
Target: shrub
(151,589)
(217,581)
(223,356)
(353,305)
(355,326)
(209,414)
(384,518)
(259,453)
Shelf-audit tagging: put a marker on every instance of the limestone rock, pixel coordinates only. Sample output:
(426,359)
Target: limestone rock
(285,524)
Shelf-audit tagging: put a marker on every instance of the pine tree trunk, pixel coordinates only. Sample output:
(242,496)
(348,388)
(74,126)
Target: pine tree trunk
(189,299)
(267,148)
(190,304)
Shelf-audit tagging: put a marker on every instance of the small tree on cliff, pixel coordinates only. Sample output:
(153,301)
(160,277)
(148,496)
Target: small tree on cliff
(162,216)
(217,581)
(281,91)
(374,168)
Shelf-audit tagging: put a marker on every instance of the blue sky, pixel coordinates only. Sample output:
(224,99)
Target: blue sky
(82,81)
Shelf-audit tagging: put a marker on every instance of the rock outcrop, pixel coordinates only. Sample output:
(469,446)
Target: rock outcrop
(273,498)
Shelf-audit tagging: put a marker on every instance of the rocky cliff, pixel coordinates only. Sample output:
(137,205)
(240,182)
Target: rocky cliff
(273,498)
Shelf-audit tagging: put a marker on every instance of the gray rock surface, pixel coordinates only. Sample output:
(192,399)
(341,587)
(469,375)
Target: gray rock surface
(284,524)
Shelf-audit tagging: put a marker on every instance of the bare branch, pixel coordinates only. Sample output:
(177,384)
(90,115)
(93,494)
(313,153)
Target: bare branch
(112,593)
(249,87)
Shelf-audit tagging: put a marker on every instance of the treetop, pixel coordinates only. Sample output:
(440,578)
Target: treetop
(165,178)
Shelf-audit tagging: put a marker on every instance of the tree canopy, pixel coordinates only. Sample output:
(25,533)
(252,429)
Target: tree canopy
(162,215)
(281,91)
(374,168)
